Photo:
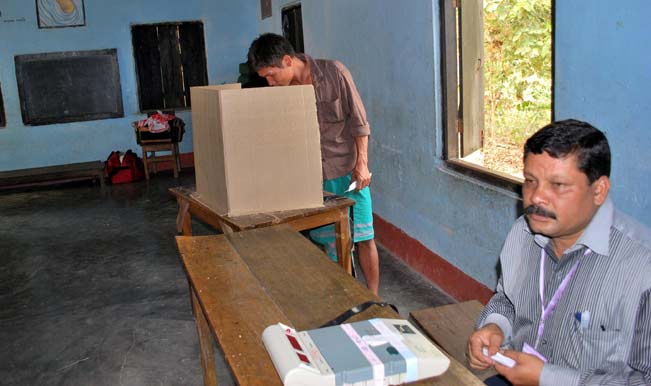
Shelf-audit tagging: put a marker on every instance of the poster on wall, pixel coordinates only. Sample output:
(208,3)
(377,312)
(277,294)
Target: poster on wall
(265,9)
(60,13)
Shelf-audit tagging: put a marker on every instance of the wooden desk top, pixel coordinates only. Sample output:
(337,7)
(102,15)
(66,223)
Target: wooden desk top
(260,219)
(249,280)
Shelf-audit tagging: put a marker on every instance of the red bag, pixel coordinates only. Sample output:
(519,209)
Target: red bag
(129,169)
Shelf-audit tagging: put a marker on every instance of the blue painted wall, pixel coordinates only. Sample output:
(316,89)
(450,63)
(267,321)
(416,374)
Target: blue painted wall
(393,53)
(603,76)
(392,50)
(229,26)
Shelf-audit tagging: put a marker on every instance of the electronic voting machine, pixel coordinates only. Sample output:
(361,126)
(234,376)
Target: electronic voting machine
(374,352)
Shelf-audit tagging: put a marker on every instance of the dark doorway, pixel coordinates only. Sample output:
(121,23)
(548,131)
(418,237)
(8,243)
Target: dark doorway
(293,26)
(3,122)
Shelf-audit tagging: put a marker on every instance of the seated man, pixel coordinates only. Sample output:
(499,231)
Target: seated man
(572,305)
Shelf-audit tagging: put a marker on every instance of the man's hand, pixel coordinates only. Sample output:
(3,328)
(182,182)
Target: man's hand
(490,336)
(526,371)
(361,174)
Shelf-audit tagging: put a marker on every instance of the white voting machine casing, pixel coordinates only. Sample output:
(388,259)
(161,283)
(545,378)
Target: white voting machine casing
(376,352)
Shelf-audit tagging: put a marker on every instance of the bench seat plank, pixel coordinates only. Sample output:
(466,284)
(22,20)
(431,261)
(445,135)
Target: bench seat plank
(52,174)
(450,326)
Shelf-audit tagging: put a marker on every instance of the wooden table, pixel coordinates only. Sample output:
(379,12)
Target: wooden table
(334,211)
(242,282)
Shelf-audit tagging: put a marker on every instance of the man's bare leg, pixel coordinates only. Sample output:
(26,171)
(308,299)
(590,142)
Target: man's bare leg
(370,262)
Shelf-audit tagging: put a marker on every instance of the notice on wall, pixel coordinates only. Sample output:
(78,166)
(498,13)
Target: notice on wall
(5,18)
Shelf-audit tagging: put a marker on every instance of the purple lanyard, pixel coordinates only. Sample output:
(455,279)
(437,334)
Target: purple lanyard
(551,306)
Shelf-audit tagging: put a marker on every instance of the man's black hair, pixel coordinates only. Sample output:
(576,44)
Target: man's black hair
(573,137)
(268,50)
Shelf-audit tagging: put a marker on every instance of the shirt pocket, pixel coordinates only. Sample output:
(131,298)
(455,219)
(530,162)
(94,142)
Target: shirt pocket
(599,345)
(331,111)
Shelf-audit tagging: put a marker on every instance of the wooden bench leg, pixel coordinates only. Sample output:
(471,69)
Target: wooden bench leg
(342,237)
(225,228)
(184,218)
(100,176)
(205,343)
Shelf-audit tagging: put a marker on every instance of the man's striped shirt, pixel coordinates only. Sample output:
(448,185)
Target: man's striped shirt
(612,283)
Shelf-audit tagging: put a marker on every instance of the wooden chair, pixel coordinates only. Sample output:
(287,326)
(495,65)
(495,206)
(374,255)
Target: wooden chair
(161,142)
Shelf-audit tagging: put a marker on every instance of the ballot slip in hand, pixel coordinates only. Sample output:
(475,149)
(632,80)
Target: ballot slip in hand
(353,185)
(499,358)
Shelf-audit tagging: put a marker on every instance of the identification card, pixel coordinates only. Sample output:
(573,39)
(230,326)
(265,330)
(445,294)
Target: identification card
(527,349)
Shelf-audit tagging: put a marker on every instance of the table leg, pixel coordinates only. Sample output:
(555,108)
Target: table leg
(205,343)
(178,156)
(153,162)
(225,228)
(342,236)
(183,218)
(145,161)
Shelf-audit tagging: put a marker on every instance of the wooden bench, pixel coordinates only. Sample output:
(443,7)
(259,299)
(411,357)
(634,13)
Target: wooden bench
(242,282)
(53,175)
(450,326)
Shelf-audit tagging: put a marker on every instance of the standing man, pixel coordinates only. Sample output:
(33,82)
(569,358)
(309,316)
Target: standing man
(573,303)
(344,136)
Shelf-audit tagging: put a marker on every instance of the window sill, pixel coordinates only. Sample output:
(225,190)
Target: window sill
(498,179)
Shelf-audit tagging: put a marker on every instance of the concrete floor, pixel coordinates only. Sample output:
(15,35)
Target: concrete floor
(92,291)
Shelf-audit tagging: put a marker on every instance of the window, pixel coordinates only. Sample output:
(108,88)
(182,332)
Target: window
(3,121)
(497,75)
(293,26)
(170,58)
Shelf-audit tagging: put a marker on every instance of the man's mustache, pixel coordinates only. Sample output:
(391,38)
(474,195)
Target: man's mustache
(540,211)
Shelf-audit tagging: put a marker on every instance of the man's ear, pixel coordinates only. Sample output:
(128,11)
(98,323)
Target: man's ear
(600,188)
(287,61)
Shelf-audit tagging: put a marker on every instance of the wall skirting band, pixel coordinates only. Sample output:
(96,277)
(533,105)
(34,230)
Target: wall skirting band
(449,278)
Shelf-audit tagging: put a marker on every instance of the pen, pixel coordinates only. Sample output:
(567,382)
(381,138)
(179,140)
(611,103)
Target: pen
(583,318)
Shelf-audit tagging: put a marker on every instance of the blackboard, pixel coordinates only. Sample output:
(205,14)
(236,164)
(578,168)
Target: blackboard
(59,87)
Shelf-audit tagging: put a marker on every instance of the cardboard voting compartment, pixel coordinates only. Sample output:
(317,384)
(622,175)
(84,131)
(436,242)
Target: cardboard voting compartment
(257,149)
